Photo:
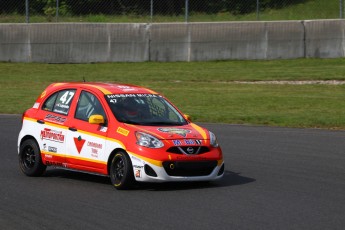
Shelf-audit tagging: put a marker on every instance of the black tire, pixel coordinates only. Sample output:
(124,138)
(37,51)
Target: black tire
(30,160)
(121,171)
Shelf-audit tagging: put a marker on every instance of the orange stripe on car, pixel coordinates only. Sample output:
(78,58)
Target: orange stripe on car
(154,162)
(58,84)
(200,130)
(73,157)
(103,90)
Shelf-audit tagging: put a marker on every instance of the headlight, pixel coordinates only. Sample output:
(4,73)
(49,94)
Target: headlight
(213,140)
(147,140)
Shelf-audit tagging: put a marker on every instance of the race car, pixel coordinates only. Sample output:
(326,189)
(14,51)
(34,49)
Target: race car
(129,133)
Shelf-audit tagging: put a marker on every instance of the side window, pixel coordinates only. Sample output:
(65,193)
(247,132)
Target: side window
(49,103)
(88,105)
(59,102)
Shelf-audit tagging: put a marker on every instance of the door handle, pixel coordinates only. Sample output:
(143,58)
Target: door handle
(72,129)
(40,122)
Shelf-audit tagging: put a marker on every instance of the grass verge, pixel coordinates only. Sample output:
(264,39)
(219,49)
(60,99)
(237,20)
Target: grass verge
(205,90)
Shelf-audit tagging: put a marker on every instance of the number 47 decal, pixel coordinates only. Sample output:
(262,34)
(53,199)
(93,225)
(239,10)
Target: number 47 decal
(66,98)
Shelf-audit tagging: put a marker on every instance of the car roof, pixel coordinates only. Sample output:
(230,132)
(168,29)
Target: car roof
(105,88)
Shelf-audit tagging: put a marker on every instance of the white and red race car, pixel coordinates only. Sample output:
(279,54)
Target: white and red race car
(128,132)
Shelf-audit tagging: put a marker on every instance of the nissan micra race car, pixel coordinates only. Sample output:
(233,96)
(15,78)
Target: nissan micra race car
(127,132)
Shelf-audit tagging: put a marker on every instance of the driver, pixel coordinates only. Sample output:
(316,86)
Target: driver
(131,110)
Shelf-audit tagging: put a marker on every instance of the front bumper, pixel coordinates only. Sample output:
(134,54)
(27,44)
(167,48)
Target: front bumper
(170,171)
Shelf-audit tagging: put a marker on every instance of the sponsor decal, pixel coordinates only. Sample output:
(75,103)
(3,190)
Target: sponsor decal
(189,142)
(181,132)
(138,173)
(125,88)
(94,148)
(62,106)
(36,105)
(94,152)
(52,149)
(53,163)
(94,145)
(137,170)
(138,167)
(54,118)
(79,143)
(52,135)
(114,96)
(60,111)
(177,142)
(103,129)
(122,131)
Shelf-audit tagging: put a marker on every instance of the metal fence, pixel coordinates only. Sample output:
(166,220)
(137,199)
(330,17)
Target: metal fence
(36,11)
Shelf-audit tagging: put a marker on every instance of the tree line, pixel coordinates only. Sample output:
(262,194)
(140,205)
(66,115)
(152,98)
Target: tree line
(163,7)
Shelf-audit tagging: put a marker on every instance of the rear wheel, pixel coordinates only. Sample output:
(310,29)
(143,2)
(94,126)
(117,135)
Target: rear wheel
(121,171)
(30,160)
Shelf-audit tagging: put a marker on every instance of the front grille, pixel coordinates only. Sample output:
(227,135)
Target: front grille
(189,168)
(188,150)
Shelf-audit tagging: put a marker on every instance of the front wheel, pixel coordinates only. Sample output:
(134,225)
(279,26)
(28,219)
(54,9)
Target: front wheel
(121,171)
(30,160)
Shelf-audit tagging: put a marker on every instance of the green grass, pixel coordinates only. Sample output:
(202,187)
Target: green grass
(312,9)
(205,90)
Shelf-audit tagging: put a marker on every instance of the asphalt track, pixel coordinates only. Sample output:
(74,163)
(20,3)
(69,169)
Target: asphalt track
(276,178)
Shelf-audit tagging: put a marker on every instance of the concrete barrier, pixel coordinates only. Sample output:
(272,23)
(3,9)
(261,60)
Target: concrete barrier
(224,41)
(57,43)
(285,40)
(73,43)
(325,38)
(14,43)
(138,42)
(169,42)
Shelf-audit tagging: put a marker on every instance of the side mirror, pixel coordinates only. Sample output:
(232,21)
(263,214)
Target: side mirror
(188,117)
(96,119)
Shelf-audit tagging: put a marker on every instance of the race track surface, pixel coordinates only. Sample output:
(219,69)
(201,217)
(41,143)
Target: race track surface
(276,178)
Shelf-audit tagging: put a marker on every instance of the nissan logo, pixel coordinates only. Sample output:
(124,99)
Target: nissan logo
(190,150)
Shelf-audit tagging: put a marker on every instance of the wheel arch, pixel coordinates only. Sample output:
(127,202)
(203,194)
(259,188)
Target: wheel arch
(112,154)
(27,137)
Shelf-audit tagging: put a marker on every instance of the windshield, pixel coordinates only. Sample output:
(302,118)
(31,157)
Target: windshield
(144,109)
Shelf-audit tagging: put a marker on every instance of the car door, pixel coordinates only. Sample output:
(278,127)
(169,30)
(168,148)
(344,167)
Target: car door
(85,141)
(51,120)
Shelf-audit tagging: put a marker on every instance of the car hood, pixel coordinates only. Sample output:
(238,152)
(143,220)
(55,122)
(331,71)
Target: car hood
(190,131)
